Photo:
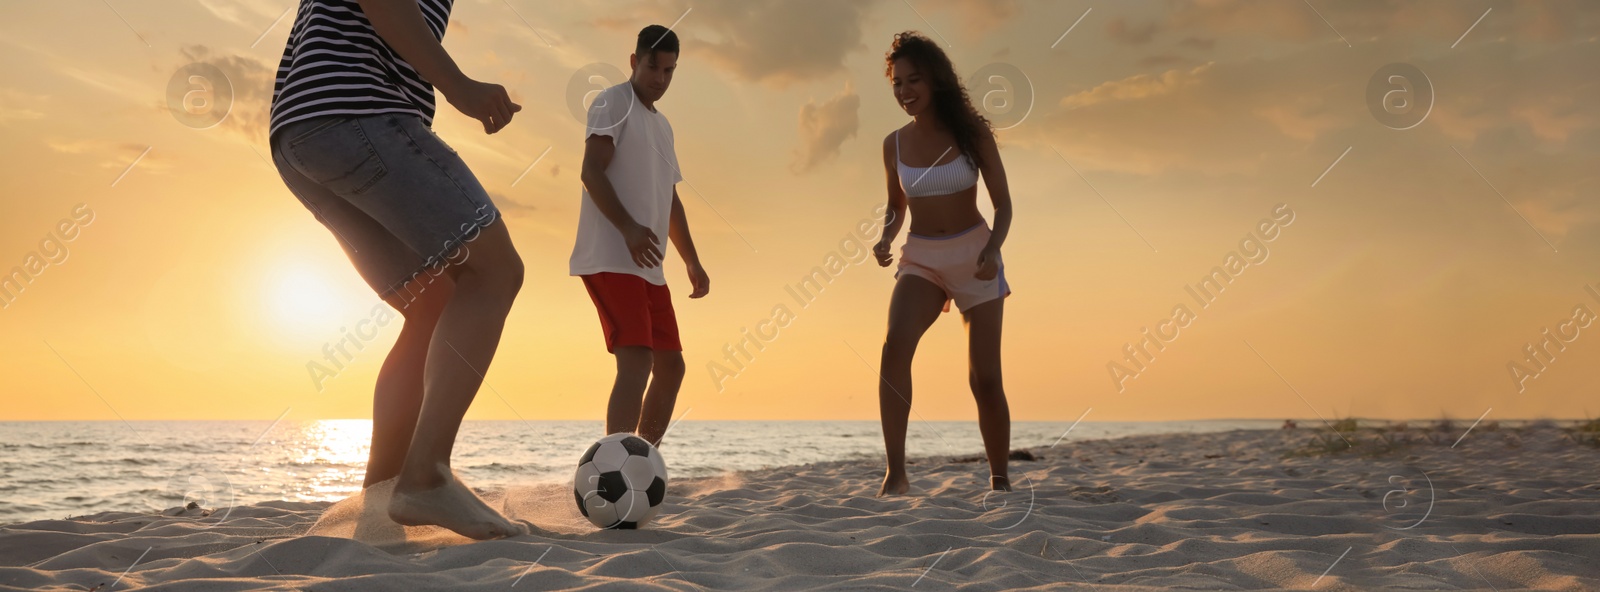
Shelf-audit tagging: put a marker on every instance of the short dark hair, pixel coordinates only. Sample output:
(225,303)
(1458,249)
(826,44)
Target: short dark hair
(655,38)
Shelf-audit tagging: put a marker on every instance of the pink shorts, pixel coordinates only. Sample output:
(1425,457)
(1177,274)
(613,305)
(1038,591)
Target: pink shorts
(950,262)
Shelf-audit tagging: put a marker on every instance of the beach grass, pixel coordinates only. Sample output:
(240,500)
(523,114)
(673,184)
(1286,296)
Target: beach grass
(1379,438)
(1584,433)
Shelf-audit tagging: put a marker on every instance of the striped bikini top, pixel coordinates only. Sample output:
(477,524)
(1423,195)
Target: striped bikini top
(939,179)
(336,64)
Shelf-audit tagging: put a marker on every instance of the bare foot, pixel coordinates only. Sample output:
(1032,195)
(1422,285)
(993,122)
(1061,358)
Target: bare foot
(450,505)
(894,484)
(999,483)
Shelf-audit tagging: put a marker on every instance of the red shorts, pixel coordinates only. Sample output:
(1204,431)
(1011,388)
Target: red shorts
(633,311)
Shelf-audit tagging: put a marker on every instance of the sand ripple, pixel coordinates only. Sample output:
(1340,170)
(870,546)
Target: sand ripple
(1213,511)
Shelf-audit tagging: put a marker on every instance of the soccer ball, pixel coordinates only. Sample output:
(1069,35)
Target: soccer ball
(621,482)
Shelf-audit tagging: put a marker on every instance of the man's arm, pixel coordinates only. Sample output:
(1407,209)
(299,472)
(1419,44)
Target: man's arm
(678,233)
(400,24)
(643,244)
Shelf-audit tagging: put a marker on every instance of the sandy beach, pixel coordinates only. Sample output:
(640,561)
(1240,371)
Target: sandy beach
(1503,509)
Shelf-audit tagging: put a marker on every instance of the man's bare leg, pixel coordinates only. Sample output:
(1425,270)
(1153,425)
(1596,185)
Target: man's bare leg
(398,397)
(633,374)
(665,379)
(463,344)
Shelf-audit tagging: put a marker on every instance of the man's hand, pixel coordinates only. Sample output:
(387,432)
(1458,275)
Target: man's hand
(643,245)
(881,252)
(699,279)
(482,101)
(988,264)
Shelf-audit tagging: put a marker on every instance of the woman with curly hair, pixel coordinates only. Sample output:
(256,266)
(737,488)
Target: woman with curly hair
(933,164)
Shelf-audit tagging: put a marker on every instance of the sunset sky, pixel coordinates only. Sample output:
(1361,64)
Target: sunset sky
(1418,266)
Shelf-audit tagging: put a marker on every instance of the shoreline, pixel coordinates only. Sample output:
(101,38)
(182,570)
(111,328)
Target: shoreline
(1507,508)
(1309,428)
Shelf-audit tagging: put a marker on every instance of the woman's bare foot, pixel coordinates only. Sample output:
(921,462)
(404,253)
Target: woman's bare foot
(999,483)
(450,505)
(894,484)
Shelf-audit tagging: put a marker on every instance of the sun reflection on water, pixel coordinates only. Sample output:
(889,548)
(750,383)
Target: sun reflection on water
(323,460)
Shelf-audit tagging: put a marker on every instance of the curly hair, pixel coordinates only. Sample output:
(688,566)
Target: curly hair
(950,102)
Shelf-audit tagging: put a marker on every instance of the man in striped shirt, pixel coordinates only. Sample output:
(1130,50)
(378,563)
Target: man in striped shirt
(352,110)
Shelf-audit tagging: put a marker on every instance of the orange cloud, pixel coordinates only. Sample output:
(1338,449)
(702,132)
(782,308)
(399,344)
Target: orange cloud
(18,106)
(1121,31)
(1378,20)
(252,83)
(1137,87)
(776,42)
(1303,118)
(976,17)
(825,126)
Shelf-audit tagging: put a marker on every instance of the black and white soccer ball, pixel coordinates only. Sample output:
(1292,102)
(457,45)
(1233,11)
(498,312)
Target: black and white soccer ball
(621,482)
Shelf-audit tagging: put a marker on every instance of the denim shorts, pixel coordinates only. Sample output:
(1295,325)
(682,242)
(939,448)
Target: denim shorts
(398,199)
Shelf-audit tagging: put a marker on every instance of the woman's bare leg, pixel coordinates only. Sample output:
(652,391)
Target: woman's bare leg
(983,372)
(913,308)
(463,343)
(398,397)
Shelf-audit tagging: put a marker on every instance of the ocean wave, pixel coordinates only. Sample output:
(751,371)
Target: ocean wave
(53,469)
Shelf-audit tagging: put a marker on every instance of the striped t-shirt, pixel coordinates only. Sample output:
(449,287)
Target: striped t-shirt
(336,64)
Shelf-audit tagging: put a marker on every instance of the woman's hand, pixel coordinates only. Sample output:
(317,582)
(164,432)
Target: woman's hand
(483,101)
(988,264)
(881,252)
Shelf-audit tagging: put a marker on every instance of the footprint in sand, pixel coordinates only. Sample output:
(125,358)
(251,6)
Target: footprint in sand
(1094,495)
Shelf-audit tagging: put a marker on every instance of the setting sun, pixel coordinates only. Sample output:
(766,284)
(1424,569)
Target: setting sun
(302,297)
(799,294)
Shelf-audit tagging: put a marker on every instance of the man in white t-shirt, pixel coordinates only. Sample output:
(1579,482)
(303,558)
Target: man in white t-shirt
(630,200)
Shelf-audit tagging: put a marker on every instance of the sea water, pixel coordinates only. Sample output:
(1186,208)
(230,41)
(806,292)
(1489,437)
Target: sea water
(51,470)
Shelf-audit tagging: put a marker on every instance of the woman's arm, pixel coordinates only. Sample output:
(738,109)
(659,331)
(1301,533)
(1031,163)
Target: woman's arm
(400,24)
(994,178)
(896,213)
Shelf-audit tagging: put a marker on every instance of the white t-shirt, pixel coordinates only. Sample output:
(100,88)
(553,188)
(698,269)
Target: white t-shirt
(643,171)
